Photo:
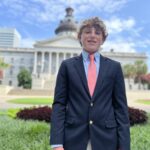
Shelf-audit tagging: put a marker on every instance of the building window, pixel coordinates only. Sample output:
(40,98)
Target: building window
(11,70)
(22,60)
(30,69)
(10,83)
(31,60)
(75,54)
(12,60)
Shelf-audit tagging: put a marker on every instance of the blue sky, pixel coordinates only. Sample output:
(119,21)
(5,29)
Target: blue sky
(128,21)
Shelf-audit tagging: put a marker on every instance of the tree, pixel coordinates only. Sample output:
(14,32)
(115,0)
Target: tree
(129,72)
(3,66)
(24,78)
(140,69)
(146,79)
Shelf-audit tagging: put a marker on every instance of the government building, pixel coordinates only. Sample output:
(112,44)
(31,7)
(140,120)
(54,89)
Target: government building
(44,59)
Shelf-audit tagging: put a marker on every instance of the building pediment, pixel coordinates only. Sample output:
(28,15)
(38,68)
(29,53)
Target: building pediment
(59,41)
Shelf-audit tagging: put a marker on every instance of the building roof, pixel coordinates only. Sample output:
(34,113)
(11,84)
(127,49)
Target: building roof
(68,23)
(67,40)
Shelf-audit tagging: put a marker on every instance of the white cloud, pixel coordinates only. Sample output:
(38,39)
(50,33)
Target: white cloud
(116,25)
(119,46)
(145,43)
(125,45)
(27,42)
(112,5)
(44,11)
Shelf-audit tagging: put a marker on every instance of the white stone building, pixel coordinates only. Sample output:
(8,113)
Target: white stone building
(44,59)
(9,37)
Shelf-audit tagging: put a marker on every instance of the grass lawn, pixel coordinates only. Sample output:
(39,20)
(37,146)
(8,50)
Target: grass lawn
(140,136)
(146,102)
(34,135)
(11,112)
(35,100)
(23,135)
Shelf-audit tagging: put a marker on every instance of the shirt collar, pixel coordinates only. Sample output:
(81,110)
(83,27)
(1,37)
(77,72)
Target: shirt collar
(85,55)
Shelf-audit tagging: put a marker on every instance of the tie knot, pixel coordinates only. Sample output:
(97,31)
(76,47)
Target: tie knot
(91,57)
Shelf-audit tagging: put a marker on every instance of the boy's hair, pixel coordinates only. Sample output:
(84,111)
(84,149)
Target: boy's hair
(93,22)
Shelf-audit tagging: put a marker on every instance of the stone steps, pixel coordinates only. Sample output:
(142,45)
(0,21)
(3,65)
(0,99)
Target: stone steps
(32,92)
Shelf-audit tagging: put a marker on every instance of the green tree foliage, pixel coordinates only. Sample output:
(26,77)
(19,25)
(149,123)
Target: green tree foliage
(24,78)
(135,71)
(3,65)
(129,70)
(140,69)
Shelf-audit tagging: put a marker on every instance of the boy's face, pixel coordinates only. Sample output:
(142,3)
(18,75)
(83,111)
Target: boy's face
(91,39)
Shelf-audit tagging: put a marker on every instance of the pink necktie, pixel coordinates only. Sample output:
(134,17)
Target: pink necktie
(91,75)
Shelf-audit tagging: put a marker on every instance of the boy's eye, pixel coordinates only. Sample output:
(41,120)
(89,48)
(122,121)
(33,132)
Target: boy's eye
(87,31)
(98,32)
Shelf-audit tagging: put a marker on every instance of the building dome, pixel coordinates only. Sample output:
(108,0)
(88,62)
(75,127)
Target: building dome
(68,24)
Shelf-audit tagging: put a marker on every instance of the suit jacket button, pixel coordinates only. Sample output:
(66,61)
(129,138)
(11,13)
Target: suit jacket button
(91,122)
(91,104)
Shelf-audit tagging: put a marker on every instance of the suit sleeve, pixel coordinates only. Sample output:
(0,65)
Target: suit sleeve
(121,110)
(59,107)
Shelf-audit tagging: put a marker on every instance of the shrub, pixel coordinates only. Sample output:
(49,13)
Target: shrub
(12,112)
(137,116)
(24,79)
(40,113)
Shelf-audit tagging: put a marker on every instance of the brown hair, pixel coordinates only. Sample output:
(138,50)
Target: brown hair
(93,22)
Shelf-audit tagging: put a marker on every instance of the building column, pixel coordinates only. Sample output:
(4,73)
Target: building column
(71,54)
(35,63)
(57,63)
(50,63)
(42,62)
(64,56)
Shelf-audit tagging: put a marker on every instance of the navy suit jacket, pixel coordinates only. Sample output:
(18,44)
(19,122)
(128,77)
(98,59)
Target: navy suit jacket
(78,117)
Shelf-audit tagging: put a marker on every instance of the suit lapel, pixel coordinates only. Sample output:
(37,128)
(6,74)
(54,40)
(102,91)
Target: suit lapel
(101,74)
(81,71)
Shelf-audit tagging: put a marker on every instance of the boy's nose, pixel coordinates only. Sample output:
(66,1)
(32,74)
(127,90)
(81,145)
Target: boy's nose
(93,33)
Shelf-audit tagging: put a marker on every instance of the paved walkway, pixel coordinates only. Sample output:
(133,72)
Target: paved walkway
(5,105)
(132,96)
